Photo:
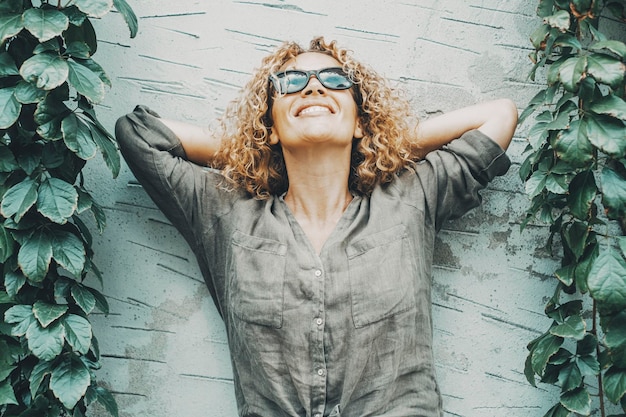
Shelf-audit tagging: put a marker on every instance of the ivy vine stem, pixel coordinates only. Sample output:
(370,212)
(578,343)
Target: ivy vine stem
(594,330)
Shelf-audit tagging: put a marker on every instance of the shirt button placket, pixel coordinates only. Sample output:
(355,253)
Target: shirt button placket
(319,387)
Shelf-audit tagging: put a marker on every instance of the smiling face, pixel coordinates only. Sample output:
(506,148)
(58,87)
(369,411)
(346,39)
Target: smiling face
(316,114)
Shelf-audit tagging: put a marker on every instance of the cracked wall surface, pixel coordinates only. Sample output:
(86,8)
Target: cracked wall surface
(163,344)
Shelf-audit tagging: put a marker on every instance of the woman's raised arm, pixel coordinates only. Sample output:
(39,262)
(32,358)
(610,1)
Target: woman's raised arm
(199,143)
(496,119)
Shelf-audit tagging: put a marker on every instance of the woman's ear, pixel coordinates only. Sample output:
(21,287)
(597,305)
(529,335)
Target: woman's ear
(358,131)
(274,137)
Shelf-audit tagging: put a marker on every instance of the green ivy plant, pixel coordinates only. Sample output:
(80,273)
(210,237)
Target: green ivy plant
(575,175)
(49,84)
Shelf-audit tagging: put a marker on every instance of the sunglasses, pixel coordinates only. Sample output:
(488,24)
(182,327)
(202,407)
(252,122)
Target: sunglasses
(293,81)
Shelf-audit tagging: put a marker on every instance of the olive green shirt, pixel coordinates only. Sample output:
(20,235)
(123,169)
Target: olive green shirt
(347,332)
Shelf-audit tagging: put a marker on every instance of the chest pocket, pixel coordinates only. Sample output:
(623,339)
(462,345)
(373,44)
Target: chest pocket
(256,290)
(382,276)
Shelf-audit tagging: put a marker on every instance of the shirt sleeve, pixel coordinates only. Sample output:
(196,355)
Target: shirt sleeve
(186,193)
(453,176)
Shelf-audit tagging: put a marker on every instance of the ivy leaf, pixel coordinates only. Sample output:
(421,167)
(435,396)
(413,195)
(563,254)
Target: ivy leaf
(35,255)
(605,69)
(577,401)
(94,8)
(9,108)
(7,245)
(10,25)
(21,316)
(539,36)
(7,159)
(6,368)
(47,70)
(582,193)
(613,193)
(617,47)
(19,199)
(69,380)
(614,383)
(78,333)
(83,297)
(536,183)
(78,50)
(545,347)
(99,216)
(615,330)
(575,237)
(47,313)
(559,20)
(607,279)
(566,274)
(77,136)
(568,40)
(129,16)
(584,266)
(558,411)
(570,73)
(57,200)
(86,82)
(7,65)
(45,343)
(84,203)
(610,105)
(573,146)
(68,250)
(94,67)
(101,301)
(48,116)
(570,377)
(588,365)
(106,399)
(7,396)
(574,327)
(604,133)
(13,282)
(82,32)
(26,93)
(45,24)
(563,311)
(37,375)
(556,183)
(108,149)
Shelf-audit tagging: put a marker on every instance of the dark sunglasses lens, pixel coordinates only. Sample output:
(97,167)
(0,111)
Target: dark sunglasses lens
(292,81)
(335,79)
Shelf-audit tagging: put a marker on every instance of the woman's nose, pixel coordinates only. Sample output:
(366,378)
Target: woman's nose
(314,86)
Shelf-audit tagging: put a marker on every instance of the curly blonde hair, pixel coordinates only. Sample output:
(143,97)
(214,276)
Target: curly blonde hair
(249,160)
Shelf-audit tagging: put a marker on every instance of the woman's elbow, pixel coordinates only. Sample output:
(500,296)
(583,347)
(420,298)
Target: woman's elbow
(503,122)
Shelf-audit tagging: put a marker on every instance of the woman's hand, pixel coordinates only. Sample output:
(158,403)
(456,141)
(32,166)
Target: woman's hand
(199,144)
(496,119)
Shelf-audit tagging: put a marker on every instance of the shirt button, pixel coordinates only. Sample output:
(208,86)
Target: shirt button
(321,372)
(318,273)
(319,321)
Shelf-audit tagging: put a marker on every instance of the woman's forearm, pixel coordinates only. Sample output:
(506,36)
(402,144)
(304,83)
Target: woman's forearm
(496,119)
(199,144)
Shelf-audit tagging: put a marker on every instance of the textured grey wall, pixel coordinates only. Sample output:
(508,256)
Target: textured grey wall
(163,345)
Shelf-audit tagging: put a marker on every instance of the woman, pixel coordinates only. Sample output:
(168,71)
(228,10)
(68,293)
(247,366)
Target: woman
(315,228)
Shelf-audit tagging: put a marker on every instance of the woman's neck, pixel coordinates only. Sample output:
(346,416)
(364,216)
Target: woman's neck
(318,195)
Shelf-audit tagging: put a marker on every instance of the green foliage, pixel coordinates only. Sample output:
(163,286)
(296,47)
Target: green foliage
(49,84)
(575,175)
